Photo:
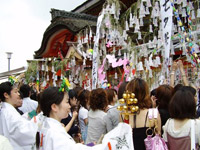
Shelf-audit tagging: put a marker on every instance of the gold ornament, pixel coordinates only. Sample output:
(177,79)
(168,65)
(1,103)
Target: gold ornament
(122,101)
(132,95)
(120,108)
(135,100)
(129,105)
(124,96)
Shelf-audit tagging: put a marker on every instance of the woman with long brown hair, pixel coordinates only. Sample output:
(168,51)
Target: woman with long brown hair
(140,121)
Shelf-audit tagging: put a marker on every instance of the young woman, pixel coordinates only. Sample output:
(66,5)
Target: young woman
(182,109)
(140,121)
(112,118)
(69,122)
(164,94)
(20,132)
(112,97)
(96,122)
(83,99)
(53,136)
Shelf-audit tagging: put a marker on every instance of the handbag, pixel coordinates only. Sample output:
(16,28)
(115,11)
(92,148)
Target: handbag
(156,142)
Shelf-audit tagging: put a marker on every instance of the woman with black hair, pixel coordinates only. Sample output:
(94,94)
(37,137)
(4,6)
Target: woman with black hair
(69,122)
(20,132)
(83,99)
(52,135)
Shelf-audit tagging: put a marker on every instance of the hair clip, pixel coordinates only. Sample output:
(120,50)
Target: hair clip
(65,85)
(12,80)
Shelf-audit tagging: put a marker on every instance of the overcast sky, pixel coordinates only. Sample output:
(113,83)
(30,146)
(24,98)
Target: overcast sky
(22,24)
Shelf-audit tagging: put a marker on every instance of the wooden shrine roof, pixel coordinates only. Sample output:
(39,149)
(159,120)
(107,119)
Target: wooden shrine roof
(64,27)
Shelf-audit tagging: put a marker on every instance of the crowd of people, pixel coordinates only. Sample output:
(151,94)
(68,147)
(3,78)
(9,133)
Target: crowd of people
(79,118)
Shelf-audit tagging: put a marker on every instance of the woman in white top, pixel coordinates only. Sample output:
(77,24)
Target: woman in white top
(96,122)
(112,118)
(52,135)
(83,99)
(19,131)
(177,130)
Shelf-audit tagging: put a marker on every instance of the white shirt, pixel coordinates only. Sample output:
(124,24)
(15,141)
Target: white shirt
(56,137)
(96,125)
(28,105)
(19,131)
(4,143)
(183,131)
(83,114)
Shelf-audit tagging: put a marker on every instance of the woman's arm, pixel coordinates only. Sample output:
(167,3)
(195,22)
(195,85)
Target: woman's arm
(172,74)
(69,125)
(86,121)
(180,65)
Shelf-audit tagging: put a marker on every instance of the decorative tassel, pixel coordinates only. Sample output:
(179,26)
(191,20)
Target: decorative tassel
(180,10)
(155,40)
(179,2)
(42,67)
(142,11)
(84,62)
(112,11)
(184,3)
(149,3)
(158,60)
(127,27)
(150,61)
(124,56)
(56,78)
(90,34)
(139,36)
(54,83)
(145,51)
(137,26)
(44,83)
(159,43)
(119,52)
(193,15)
(141,22)
(150,44)
(115,75)
(52,69)
(131,21)
(198,13)
(147,11)
(140,66)
(150,73)
(184,13)
(150,28)
(191,5)
(47,77)
(155,63)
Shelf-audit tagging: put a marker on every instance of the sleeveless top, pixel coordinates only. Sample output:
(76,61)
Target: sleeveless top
(139,134)
(180,143)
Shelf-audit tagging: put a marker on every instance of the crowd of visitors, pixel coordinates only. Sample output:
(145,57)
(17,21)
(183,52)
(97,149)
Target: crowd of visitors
(79,118)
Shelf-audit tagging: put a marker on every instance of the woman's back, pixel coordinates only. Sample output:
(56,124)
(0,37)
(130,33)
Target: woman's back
(177,133)
(140,126)
(139,129)
(96,126)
